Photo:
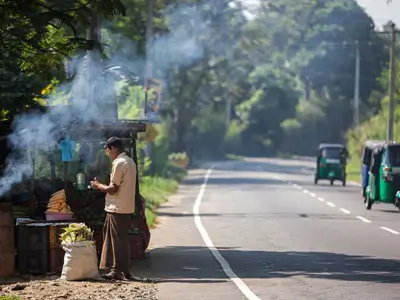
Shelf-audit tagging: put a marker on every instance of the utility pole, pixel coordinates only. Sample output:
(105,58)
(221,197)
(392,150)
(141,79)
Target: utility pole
(148,67)
(228,110)
(392,76)
(94,30)
(149,33)
(357,87)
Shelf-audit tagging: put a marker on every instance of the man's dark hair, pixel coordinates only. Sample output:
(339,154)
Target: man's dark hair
(116,143)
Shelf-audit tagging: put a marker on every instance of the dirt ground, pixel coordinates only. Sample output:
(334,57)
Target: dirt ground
(50,287)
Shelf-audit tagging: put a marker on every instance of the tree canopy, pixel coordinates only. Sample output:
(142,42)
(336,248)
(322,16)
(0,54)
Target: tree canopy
(280,81)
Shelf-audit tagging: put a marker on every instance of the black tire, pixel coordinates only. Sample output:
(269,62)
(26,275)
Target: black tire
(315,180)
(331,181)
(397,203)
(344,182)
(368,202)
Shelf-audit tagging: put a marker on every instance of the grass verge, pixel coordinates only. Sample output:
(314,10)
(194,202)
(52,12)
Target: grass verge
(234,157)
(9,298)
(284,155)
(353,170)
(156,189)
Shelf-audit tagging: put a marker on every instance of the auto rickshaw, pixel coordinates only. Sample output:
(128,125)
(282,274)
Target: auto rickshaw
(366,161)
(384,175)
(331,163)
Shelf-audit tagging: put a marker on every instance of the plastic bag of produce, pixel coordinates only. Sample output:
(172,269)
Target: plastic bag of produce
(80,261)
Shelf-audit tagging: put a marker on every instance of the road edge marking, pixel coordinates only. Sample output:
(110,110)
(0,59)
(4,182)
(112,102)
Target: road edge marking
(389,230)
(345,211)
(363,219)
(210,245)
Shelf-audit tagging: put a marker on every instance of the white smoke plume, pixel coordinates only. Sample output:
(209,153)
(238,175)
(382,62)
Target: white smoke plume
(91,89)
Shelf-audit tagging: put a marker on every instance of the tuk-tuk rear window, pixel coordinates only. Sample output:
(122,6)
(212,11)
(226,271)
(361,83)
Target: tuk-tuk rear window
(333,152)
(367,156)
(393,153)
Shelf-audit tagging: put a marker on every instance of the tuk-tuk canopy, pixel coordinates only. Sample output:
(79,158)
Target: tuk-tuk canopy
(371,144)
(332,150)
(323,146)
(374,147)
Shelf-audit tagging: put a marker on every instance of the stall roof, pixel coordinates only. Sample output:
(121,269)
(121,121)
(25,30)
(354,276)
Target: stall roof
(118,127)
(112,125)
(107,128)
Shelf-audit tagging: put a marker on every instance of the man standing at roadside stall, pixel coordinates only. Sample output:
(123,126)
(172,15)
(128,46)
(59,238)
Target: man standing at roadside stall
(120,205)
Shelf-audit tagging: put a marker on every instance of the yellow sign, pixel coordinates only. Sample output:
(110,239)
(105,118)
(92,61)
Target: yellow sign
(156,85)
(151,133)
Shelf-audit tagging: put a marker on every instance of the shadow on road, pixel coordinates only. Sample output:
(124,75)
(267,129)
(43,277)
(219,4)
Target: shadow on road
(183,264)
(166,214)
(264,166)
(233,181)
(267,216)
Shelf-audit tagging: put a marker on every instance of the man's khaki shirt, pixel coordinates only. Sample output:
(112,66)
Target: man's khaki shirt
(123,174)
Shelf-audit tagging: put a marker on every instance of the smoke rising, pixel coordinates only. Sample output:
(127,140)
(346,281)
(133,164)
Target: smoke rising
(93,87)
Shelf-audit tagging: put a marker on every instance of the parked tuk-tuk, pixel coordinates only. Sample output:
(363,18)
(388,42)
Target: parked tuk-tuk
(384,175)
(366,161)
(331,163)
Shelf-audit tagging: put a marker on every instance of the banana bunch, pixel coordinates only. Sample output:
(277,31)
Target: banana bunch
(58,203)
(76,232)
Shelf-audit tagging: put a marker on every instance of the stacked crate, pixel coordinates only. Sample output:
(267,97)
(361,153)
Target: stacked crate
(32,248)
(39,248)
(7,252)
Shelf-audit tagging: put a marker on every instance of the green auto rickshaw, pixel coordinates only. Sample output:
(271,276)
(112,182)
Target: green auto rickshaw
(384,175)
(331,163)
(366,156)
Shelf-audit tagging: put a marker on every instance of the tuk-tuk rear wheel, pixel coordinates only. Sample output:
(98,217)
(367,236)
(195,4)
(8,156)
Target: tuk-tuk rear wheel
(397,203)
(368,202)
(344,182)
(331,181)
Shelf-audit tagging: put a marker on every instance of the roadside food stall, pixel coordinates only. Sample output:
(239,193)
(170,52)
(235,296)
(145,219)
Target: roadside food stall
(59,193)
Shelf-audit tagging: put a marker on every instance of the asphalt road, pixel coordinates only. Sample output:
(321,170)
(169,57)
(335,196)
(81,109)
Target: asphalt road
(277,235)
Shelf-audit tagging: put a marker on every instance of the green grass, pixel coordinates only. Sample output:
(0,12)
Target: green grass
(353,170)
(10,298)
(284,155)
(156,190)
(234,157)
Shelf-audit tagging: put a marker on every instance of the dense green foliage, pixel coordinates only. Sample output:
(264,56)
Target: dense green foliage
(280,81)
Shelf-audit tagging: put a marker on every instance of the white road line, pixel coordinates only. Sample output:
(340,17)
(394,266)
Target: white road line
(343,210)
(210,245)
(363,219)
(389,230)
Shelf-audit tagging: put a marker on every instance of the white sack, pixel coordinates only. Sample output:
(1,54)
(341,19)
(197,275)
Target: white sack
(80,261)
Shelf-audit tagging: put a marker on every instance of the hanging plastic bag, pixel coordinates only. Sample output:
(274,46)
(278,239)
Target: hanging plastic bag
(80,261)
